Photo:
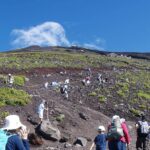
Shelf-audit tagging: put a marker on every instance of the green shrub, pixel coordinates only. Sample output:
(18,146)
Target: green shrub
(135,112)
(19,80)
(121,93)
(133,101)
(142,94)
(60,117)
(102,98)
(4,114)
(92,94)
(143,107)
(10,96)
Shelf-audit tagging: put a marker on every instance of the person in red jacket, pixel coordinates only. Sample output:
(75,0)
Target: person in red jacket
(123,142)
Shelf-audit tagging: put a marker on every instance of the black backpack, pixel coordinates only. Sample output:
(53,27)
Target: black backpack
(62,91)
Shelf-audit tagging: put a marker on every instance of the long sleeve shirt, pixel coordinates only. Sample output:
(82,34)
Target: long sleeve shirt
(16,143)
(126,138)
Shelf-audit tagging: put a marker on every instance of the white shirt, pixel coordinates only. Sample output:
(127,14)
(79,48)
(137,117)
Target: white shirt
(41,108)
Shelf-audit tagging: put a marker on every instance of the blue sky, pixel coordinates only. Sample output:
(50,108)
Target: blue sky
(110,25)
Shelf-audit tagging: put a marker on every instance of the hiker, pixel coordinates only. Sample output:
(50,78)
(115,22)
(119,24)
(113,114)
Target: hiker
(99,78)
(100,139)
(89,72)
(142,128)
(14,134)
(148,140)
(86,81)
(64,90)
(46,84)
(118,135)
(41,109)
(10,80)
(67,81)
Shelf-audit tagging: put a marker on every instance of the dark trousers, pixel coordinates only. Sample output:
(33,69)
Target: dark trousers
(141,143)
(116,145)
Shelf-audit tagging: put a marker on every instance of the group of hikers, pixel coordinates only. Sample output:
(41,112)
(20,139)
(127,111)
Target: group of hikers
(15,136)
(118,137)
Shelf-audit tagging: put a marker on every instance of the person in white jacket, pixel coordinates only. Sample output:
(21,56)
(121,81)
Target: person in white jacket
(41,109)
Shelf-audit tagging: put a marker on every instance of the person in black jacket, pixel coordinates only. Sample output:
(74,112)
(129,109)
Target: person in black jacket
(17,133)
(142,128)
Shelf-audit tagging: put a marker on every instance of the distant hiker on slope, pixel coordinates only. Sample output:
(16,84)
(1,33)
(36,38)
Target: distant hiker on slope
(13,135)
(142,128)
(100,139)
(64,90)
(118,135)
(41,109)
(10,80)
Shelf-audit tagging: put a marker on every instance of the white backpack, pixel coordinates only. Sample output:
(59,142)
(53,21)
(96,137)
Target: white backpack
(115,131)
(144,127)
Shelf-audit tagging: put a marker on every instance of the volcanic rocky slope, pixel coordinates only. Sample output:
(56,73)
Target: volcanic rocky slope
(124,91)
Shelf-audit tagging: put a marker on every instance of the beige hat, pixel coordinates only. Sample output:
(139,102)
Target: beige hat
(101,128)
(12,122)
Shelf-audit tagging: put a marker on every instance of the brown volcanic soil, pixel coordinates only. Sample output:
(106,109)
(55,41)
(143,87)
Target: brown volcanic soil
(72,126)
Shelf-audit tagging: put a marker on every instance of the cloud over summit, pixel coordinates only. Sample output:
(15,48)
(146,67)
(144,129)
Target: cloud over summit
(46,34)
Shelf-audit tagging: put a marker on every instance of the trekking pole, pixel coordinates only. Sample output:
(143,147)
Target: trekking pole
(47,112)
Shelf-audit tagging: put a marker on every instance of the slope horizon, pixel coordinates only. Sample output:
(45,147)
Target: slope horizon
(75,47)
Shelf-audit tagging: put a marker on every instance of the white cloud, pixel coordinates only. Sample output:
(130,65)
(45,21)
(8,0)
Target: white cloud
(46,34)
(97,44)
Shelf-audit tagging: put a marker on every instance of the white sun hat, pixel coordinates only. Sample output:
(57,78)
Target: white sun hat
(122,120)
(12,122)
(101,128)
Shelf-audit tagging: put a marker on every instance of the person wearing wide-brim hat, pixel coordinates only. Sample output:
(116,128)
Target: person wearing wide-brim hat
(100,140)
(17,133)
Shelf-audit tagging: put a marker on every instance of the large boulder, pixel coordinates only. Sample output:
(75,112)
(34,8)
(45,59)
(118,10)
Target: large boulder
(48,131)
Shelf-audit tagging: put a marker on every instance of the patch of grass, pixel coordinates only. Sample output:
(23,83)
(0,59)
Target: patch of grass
(10,96)
(4,114)
(123,89)
(143,106)
(102,98)
(92,94)
(142,94)
(121,93)
(135,112)
(19,80)
(60,117)
(134,101)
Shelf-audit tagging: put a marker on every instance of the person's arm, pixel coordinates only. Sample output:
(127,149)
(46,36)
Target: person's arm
(92,146)
(16,142)
(126,133)
(24,136)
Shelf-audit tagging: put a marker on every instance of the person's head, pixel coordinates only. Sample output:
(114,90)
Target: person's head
(13,123)
(9,75)
(35,139)
(143,118)
(101,129)
(43,101)
(122,120)
(115,117)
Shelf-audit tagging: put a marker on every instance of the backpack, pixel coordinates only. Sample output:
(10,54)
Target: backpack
(143,128)
(62,91)
(3,139)
(115,131)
